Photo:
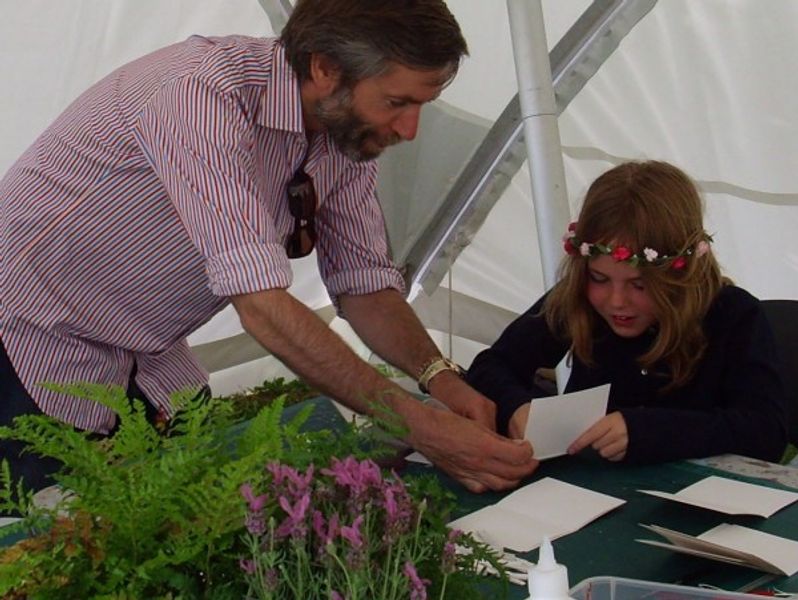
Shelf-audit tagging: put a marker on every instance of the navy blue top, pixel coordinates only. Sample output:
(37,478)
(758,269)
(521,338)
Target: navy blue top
(734,403)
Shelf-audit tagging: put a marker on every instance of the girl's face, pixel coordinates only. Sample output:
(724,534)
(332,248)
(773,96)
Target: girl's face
(617,293)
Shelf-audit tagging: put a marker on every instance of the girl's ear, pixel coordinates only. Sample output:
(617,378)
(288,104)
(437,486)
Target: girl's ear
(324,73)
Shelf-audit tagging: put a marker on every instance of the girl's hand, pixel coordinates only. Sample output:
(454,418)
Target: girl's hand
(516,428)
(607,436)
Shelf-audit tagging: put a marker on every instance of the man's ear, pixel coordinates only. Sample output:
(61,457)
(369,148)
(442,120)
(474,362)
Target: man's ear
(324,73)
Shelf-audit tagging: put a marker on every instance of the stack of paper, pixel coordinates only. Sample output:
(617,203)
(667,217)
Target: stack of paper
(736,545)
(548,507)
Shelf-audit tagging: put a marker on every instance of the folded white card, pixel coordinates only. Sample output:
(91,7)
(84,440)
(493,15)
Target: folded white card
(548,507)
(556,421)
(731,496)
(736,545)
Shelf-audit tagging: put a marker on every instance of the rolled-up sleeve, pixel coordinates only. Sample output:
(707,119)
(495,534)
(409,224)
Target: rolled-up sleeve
(354,258)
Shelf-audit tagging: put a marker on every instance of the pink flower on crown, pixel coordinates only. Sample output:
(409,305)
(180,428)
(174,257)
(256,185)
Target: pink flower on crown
(679,263)
(621,253)
(584,249)
(702,248)
(650,254)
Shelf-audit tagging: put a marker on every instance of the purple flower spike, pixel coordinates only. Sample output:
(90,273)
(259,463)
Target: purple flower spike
(352,534)
(418,586)
(335,596)
(294,523)
(256,503)
(248,566)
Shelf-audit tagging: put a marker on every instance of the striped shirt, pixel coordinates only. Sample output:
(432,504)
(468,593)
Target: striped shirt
(159,193)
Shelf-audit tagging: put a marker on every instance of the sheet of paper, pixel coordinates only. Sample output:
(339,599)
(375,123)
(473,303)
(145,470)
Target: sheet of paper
(736,545)
(731,496)
(548,507)
(773,549)
(556,421)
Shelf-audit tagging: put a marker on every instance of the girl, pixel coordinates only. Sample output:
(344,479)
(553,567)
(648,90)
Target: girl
(641,304)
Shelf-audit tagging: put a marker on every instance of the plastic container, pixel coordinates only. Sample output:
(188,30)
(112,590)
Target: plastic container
(618,588)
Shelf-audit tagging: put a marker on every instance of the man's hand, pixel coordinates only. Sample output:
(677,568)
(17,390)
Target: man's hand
(608,436)
(516,428)
(478,458)
(462,399)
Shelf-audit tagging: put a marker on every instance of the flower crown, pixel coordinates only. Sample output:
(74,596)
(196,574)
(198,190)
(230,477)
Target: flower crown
(573,246)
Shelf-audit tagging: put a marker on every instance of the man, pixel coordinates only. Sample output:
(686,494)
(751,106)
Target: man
(187,179)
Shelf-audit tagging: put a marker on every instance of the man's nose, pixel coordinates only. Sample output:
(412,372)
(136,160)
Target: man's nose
(406,124)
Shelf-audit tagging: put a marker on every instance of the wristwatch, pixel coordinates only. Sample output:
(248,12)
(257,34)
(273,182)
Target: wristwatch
(435,367)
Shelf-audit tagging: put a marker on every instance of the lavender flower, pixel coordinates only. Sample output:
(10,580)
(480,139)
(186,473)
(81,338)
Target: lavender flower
(418,586)
(294,523)
(352,533)
(449,554)
(256,503)
(248,566)
(357,476)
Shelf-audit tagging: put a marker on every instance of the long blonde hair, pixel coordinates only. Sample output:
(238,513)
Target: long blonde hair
(643,205)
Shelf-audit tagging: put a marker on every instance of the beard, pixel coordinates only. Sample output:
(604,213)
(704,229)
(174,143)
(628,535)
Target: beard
(354,137)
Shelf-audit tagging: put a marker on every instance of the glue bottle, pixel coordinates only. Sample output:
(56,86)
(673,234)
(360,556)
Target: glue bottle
(548,580)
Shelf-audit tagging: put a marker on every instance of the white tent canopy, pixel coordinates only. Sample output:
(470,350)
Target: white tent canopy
(709,86)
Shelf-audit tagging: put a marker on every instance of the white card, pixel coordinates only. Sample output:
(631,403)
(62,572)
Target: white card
(734,544)
(731,496)
(555,422)
(547,507)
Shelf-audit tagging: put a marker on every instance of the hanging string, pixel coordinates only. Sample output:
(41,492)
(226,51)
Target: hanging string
(451,311)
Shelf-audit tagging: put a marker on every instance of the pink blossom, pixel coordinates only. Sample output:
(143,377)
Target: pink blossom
(358,476)
(418,586)
(294,523)
(585,248)
(702,248)
(679,263)
(248,566)
(256,503)
(325,534)
(352,533)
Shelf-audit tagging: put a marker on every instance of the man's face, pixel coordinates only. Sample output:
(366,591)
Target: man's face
(379,111)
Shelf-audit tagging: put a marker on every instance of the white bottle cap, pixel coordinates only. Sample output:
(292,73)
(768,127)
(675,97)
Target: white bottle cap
(548,580)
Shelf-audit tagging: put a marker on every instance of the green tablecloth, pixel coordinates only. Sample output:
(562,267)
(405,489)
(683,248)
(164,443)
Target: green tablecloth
(607,547)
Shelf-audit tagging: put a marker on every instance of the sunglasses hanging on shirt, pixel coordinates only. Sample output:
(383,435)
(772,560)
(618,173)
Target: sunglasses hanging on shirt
(302,205)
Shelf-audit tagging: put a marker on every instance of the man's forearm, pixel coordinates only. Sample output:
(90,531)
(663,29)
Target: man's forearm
(295,335)
(465,449)
(388,325)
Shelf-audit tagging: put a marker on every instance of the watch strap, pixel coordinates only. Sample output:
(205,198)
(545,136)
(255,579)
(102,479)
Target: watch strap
(435,367)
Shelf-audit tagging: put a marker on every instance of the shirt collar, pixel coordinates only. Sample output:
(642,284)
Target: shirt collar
(281,103)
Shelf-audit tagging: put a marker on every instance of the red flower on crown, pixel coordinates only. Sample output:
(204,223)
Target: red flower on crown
(679,263)
(569,247)
(621,253)
(567,240)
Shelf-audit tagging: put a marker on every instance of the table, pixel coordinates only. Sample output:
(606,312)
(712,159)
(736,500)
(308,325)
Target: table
(607,547)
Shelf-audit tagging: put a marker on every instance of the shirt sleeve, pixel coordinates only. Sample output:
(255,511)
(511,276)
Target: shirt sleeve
(748,414)
(354,258)
(199,139)
(505,372)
